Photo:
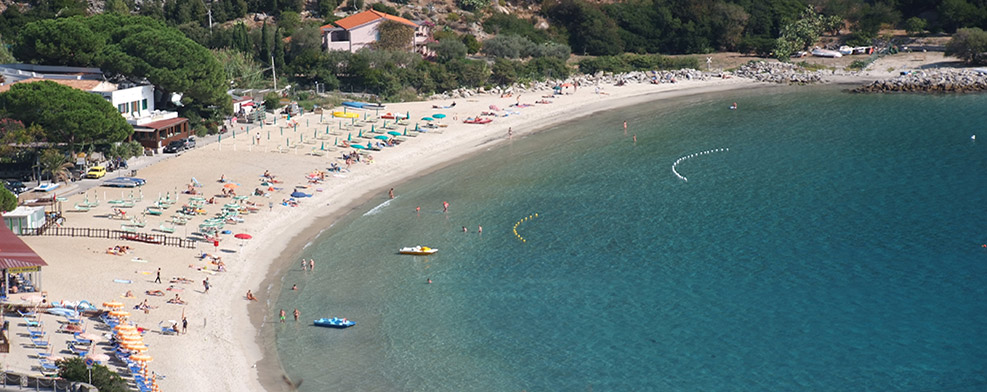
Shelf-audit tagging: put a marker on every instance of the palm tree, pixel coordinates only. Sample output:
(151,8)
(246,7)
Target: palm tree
(55,165)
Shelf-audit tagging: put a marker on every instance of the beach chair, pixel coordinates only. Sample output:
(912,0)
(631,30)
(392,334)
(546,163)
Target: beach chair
(317,152)
(48,369)
(165,229)
(33,323)
(36,334)
(29,313)
(80,208)
(38,343)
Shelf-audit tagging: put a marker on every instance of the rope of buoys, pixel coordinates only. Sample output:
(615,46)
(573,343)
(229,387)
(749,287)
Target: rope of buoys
(677,161)
(518,223)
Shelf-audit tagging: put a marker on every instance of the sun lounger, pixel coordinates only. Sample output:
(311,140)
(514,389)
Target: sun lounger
(29,313)
(48,369)
(38,343)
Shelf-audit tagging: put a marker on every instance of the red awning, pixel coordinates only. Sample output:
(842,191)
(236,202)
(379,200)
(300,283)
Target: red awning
(15,253)
(251,103)
(162,124)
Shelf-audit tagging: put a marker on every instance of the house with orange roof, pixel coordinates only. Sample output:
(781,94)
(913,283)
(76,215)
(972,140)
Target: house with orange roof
(359,30)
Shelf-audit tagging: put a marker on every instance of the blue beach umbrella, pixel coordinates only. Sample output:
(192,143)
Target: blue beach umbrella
(439,115)
(358,146)
(427,119)
(381,137)
(394,133)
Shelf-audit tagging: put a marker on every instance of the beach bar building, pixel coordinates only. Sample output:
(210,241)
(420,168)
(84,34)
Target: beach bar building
(21,266)
(24,218)
(155,135)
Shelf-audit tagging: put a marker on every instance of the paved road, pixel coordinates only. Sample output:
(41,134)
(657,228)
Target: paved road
(136,163)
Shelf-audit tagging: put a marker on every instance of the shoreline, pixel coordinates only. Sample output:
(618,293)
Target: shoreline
(239,342)
(269,366)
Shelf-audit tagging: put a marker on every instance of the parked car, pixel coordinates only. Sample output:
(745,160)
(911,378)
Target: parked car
(96,172)
(190,142)
(175,146)
(15,186)
(136,180)
(120,182)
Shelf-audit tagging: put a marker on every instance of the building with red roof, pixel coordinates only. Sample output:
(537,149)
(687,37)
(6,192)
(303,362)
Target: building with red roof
(358,31)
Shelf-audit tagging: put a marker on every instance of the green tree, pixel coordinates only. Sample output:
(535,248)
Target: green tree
(241,68)
(915,25)
(278,48)
(448,50)
(55,165)
(393,35)
(503,72)
(288,21)
(798,35)
(8,201)
(472,45)
(117,6)
(472,5)
(955,14)
(131,46)
(590,30)
(74,369)
(272,101)
(728,24)
(969,44)
(68,115)
(241,41)
(325,8)
(265,43)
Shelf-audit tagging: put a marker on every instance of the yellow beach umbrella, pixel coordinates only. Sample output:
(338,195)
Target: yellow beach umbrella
(141,358)
(125,327)
(119,313)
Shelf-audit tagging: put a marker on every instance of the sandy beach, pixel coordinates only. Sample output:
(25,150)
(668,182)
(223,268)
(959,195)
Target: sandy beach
(223,347)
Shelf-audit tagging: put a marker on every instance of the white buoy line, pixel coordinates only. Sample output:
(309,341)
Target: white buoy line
(677,161)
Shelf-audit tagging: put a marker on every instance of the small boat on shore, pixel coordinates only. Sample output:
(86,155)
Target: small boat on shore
(334,322)
(418,250)
(477,120)
(820,52)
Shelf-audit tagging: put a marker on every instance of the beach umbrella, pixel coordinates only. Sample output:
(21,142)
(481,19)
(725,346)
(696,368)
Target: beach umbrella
(113,304)
(427,119)
(371,128)
(141,358)
(361,134)
(394,133)
(358,146)
(349,137)
(439,115)
(416,126)
(381,137)
(119,327)
(406,131)
(119,313)
(408,115)
(243,236)
(98,357)
(91,336)
(336,142)
(323,148)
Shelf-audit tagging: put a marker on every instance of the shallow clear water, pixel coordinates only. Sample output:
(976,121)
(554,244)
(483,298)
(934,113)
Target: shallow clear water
(835,246)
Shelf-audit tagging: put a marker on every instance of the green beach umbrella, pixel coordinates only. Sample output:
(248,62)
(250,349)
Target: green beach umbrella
(394,133)
(408,115)
(406,131)
(372,130)
(268,135)
(381,137)
(349,137)
(416,126)
(427,119)
(358,146)
(336,143)
(439,115)
(296,127)
(282,130)
(287,142)
(361,134)
(234,133)
(323,148)
(327,129)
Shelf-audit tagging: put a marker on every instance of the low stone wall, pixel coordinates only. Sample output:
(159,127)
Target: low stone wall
(10,381)
(783,73)
(935,81)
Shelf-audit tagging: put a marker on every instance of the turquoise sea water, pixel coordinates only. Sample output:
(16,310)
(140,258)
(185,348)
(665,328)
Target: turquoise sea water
(835,247)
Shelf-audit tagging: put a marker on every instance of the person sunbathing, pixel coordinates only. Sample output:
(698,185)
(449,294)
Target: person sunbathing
(250,296)
(129,294)
(176,300)
(156,293)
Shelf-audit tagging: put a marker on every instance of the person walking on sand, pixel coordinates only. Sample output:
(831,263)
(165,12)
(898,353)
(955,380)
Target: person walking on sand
(510,132)
(390,193)
(205,283)
(158,278)
(184,325)
(282,315)
(296,313)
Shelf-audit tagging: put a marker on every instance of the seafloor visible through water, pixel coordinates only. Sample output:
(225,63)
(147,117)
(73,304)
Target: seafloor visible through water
(836,246)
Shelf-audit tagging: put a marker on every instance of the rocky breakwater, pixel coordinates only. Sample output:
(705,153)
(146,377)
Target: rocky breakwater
(783,73)
(600,79)
(934,81)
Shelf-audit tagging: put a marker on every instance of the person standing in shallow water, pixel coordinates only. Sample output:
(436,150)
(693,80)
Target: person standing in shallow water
(296,313)
(390,193)
(282,315)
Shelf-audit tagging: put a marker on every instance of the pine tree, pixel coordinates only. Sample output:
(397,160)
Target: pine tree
(278,49)
(265,44)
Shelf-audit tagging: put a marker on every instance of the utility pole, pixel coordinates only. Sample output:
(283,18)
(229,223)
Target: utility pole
(210,16)
(273,74)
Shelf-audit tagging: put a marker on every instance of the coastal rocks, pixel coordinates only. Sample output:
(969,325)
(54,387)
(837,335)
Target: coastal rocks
(933,81)
(783,73)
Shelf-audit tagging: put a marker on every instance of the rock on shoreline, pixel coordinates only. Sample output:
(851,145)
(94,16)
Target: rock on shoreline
(934,81)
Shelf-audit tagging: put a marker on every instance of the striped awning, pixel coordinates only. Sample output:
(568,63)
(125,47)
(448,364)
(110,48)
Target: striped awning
(14,253)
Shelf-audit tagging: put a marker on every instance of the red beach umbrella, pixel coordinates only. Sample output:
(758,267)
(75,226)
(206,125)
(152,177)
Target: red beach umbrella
(243,236)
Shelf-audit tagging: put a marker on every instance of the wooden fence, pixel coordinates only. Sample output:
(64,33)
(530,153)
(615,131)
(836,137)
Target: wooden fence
(160,239)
